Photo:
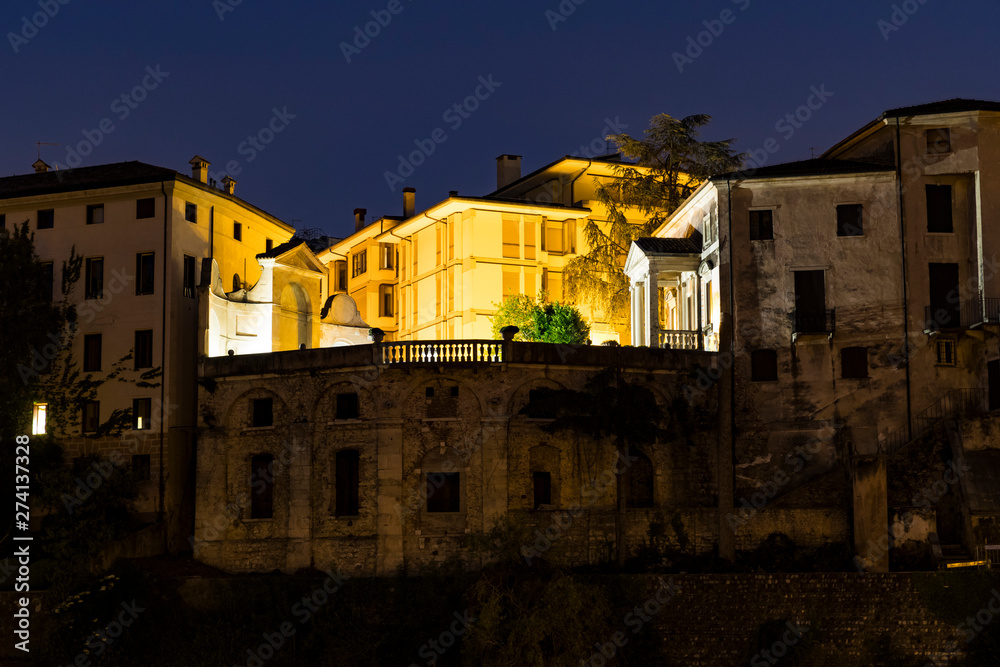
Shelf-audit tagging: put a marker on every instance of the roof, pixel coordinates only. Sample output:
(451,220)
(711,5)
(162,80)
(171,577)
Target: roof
(955,105)
(83,178)
(614,158)
(281,249)
(815,167)
(669,246)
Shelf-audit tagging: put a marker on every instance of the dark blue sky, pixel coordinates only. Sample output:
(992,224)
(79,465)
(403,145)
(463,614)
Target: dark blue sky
(222,80)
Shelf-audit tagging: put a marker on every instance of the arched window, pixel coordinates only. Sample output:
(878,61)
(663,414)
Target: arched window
(237,283)
(639,481)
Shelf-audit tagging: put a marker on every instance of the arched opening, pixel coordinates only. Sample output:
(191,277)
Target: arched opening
(543,465)
(293,330)
(638,481)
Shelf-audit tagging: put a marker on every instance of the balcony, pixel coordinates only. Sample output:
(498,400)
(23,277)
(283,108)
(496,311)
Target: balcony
(961,315)
(676,339)
(806,322)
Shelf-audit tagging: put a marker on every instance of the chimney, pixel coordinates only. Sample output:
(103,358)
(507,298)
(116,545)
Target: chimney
(508,169)
(199,168)
(452,193)
(40,166)
(359,219)
(229,183)
(409,202)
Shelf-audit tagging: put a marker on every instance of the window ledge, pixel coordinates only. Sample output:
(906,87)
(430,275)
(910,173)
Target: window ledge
(257,520)
(253,429)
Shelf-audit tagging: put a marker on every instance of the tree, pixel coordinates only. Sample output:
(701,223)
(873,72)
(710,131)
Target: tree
(540,321)
(669,164)
(608,408)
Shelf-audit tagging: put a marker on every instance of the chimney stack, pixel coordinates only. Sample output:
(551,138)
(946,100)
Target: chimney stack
(409,202)
(229,183)
(199,168)
(40,166)
(508,169)
(452,193)
(359,218)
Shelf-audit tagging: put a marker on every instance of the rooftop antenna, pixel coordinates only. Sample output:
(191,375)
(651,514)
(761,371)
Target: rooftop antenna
(38,148)
(812,153)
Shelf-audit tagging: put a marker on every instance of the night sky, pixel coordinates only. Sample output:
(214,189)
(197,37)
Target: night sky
(551,78)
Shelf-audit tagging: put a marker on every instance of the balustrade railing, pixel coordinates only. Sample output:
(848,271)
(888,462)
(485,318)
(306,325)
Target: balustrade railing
(441,351)
(678,340)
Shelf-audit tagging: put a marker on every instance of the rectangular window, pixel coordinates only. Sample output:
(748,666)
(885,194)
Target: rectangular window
(854,362)
(359,262)
(91,353)
(143,349)
(438,244)
(762,225)
(191,212)
(939,209)
(946,352)
(451,237)
(541,483)
(262,412)
(946,307)
(46,218)
(569,243)
(347,406)
(262,486)
(554,238)
(443,492)
(555,286)
(142,410)
(451,288)
(810,302)
(238,231)
(140,467)
(386,255)
(189,276)
(48,281)
(93,278)
(3,221)
(38,415)
(385,297)
(511,283)
(95,214)
(145,208)
(348,481)
(849,220)
(144,273)
(511,237)
(341,276)
(939,141)
(268,245)
(91,416)
(529,240)
(763,365)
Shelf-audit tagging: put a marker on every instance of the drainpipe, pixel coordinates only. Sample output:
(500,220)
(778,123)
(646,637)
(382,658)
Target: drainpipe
(211,232)
(906,300)
(162,487)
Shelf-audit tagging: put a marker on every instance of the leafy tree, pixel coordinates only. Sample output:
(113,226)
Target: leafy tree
(608,408)
(540,321)
(669,164)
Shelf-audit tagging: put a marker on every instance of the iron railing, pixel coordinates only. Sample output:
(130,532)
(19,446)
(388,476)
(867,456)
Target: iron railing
(955,403)
(961,314)
(814,321)
(442,351)
(679,339)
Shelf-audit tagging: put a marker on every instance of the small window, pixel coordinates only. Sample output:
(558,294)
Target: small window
(429,392)
(443,492)
(849,220)
(46,218)
(39,413)
(359,263)
(142,410)
(94,278)
(262,486)
(511,236)
(347,406)
(341,276)
(91,416)
(348,481)
(854,362)
(385,300)
(144,273)
(553,239)
(453,390)
(91,353)
(542,485)
(945,348)
(140,467)
(762,225)
(763,365)
(47,282)
(145,208)
(143,349)
(939,209)
(238,231)
(386,255)
(191,212)
(268,245)
(3,221)
(189,276)
(570,240)
(939,141)
(95,214)
(263,412)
